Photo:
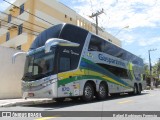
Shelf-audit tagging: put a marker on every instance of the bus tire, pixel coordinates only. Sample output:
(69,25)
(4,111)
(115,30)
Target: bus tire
(139,89)
(135,90)
(88,92)
(103,92)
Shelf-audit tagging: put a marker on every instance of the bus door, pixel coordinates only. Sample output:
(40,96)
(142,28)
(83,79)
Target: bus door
(67,84)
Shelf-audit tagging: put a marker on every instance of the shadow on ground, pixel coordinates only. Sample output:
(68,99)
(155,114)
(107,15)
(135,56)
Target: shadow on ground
(69,102)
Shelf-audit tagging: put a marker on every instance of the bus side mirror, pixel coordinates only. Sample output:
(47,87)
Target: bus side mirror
(15,55)
(60,42)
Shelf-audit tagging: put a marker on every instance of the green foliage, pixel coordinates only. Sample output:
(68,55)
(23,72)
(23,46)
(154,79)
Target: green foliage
(146,69)
(155,70)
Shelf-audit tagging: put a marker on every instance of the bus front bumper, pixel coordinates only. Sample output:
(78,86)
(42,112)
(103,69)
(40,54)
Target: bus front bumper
(43,88)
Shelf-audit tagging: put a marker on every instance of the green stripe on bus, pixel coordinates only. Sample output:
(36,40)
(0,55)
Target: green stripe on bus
(76,78)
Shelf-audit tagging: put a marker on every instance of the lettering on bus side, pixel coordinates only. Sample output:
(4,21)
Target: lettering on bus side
(65,89)
(70,52)
(110,60)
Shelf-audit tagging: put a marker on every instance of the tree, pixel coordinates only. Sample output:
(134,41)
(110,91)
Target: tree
(146,69)
(156,69)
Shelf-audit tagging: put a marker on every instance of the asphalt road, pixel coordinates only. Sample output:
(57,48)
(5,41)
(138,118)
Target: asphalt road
(147,101)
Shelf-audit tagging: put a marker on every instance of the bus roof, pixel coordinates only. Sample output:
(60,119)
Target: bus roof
(57,32)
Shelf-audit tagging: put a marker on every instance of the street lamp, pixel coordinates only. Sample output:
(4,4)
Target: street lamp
(121,30)
(150,66)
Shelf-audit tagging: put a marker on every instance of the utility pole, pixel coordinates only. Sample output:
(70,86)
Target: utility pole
(150,66)
(96,15)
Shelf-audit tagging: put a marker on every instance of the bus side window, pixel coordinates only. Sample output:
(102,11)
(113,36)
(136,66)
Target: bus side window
(65,64)
(96,44)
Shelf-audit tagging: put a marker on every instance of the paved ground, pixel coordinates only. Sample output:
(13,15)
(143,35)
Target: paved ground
(148,101)
(20,101)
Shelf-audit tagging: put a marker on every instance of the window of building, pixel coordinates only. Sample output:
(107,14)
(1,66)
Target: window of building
(21,8)
(65,16)
(77,22)
(9,18)
(7,36)
(19,47)
(70,19)
(65,64)
(81,23)
(20,29)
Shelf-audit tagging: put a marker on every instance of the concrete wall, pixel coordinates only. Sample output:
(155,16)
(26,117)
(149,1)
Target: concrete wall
(10,74)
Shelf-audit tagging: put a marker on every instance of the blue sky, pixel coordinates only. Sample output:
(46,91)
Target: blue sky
(142,17)
(4,5)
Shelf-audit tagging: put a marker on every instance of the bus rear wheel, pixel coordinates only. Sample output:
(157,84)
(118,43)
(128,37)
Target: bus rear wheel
(88,92)
(103,92)
(135,90)
(139,89)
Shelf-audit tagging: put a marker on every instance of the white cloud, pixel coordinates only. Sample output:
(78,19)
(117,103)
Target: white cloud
(149,42)
(4,5)
(127,38)
(135,13)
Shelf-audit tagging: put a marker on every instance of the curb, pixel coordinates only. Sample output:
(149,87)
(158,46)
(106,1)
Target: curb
(26,103)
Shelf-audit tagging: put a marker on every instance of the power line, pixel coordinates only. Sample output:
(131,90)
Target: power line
(23,20)
(22,27)
(26,32)
(28,12)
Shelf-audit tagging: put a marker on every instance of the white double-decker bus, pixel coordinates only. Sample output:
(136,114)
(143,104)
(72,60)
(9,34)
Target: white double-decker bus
(66,61)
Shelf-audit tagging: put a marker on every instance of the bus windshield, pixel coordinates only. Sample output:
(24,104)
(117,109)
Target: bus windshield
(39,65)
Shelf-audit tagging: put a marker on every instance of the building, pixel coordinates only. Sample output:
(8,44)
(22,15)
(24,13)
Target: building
(11,74)
(19,27)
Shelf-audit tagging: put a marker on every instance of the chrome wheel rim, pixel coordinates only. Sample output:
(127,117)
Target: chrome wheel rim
(102,91)
(88,92)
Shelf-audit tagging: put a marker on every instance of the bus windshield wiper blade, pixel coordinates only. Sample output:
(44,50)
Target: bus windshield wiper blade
(27,75)
(42,74)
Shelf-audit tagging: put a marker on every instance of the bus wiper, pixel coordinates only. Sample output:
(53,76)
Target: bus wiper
(42,74)
(27,75)
(46,74)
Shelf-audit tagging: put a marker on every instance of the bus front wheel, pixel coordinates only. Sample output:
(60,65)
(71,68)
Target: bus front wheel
(88,92)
